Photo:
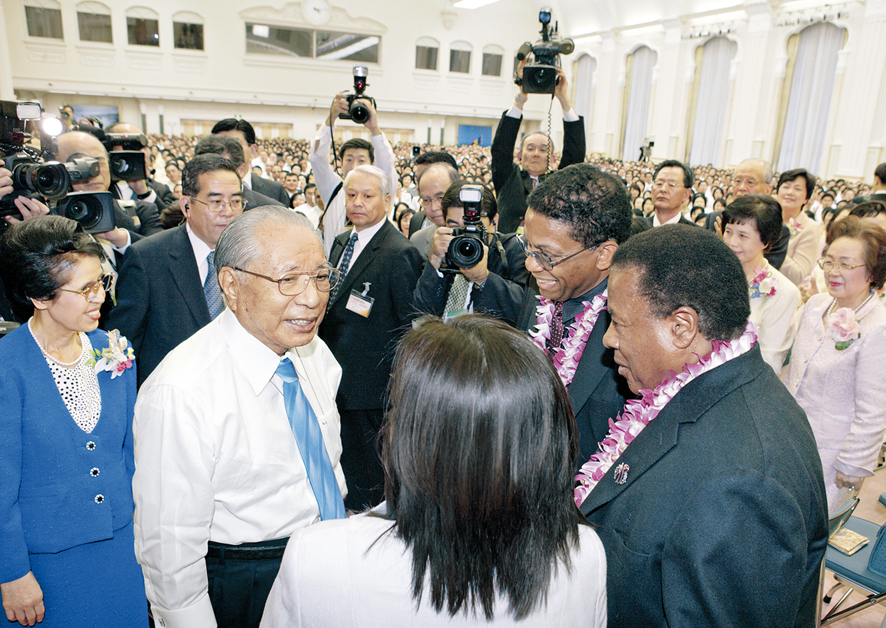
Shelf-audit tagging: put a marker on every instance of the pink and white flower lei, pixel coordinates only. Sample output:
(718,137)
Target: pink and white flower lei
(568,355)
(638,413)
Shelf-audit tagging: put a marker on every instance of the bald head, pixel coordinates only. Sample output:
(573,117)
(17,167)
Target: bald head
(88,145)
(752,176)
(123,127)
(535,152)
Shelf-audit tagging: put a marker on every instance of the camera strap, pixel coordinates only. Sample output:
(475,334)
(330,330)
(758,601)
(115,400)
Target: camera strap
(332,196)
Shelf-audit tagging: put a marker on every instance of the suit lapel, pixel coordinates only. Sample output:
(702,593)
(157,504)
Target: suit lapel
(360,264)
(338,247)
(186,276)
(662,434)
(591,368)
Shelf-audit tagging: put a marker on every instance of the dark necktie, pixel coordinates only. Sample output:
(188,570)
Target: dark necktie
(345,264)
(309,438)
(557,329)
(214,300)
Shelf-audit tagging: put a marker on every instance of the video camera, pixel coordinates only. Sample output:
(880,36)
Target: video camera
(357,111)
(126,159)
(466,248)
(540,72)
(35,177)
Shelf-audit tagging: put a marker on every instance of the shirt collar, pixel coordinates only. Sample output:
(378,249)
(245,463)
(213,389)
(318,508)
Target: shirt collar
(672,221)
(247,180)
(367,234)
(257,363)
(574,307)
(201,249)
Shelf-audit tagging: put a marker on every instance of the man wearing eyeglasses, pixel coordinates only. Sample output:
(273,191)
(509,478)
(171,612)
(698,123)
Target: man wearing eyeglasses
(433,182)
(166,290)
(577,218)
(671,189)
(237,433)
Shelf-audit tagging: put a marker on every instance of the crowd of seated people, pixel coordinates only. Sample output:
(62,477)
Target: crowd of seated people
(264,285)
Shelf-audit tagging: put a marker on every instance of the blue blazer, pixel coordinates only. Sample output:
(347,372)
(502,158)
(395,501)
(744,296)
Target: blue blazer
(59,486)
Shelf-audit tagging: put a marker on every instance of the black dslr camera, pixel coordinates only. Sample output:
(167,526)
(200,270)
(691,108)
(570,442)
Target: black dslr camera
(32,176)
(126,159)
(357,111)
(466,248)
(540,72)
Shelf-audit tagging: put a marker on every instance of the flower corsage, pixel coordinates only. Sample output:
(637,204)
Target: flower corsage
(795,226)
(763,284)
(843,328)
(116,357)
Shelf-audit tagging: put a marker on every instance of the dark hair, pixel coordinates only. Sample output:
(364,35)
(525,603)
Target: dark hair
(594,204)
(218,144)
(308,186)
(868,209)
(201,164)
(435,157)
(357,143)
(872,238)
(880,172)
(682,265)
(639,225)
(234,124)
(480,448)
(488,204)
(790,175)
(721,201)
(688,177)
(760,211)
(35,256)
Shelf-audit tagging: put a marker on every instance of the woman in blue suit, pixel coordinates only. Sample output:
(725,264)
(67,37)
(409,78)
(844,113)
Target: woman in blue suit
(67,392)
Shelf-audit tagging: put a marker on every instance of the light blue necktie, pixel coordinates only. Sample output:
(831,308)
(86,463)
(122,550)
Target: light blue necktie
(309,438)
(214,300)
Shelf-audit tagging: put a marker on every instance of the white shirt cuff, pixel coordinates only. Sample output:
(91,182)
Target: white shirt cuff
(570,116)
(515,112)
(199,615)
(121,250)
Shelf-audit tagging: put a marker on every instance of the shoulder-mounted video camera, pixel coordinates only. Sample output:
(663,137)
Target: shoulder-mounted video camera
(126,159)
(357,111)
(466,248)
(36,177)
(543,57)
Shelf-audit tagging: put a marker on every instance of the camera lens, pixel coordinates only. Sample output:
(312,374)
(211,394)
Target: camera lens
(358,112)
(86,211)
(49,180)
(465,251)
(119,166)
(542,77)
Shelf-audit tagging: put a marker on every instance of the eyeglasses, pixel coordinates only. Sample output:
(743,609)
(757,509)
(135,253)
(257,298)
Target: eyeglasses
(217,204)
(90,292)
(427,200)
(543,259)
(828,265)
(294,284)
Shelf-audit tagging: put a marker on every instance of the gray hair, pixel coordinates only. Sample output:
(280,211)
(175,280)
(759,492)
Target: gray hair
(238,245)
(767,168)
(383,183)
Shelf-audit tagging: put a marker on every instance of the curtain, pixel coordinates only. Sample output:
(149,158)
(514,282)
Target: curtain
(584,89)
(710,113)
(812,85)
(638,103)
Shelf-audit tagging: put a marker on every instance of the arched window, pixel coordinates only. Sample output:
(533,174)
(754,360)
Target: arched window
(44,18)
(426,50)
(638,89)
(142,27)
(94,22)
(812,64)
(584,89)
(709,102)
(187,30)
(492,58)
(460,57)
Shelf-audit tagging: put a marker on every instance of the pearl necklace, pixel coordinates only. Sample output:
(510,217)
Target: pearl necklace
(863,303)
(54,359)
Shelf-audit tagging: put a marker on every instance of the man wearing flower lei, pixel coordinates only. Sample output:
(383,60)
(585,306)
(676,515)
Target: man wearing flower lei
(708,491)
(577,218)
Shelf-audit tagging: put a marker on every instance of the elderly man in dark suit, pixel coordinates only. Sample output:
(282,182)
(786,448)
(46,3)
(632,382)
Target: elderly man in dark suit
(576,220)
(514,183)
(714,512)
(368,312)
(166,290)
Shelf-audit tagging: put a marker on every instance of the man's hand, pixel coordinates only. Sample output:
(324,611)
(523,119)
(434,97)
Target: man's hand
(116,236)
(339,105)
(23,600)
(439,246)
(28,208)
(478,273)
(5,182)
(371,122)
(562,90)
(522,96)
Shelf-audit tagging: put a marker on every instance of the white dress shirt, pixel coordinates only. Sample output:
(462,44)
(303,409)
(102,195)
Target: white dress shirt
(327,180)
(349,573)
(363,238)
(216,459)
(201,251)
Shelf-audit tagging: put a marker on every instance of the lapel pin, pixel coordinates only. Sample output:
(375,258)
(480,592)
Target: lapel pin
(366,288)
(620,474)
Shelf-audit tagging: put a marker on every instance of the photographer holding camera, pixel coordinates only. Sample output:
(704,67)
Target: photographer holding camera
(513,183)
(353,153)
(494,283)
